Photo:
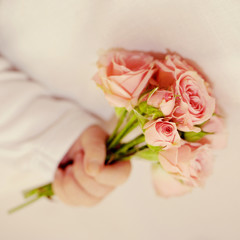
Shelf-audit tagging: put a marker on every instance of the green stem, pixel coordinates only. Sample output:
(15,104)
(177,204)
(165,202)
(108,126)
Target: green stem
(124,149)
(131,124)
(43,191)
(24,204)
(30,193)
(139,139)
(119,123)
(129,154)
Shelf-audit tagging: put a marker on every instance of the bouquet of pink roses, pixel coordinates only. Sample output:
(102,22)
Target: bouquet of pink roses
(175,108)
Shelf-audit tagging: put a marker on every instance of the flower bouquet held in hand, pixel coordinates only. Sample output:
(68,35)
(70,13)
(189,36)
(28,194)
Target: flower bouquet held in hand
(174,107)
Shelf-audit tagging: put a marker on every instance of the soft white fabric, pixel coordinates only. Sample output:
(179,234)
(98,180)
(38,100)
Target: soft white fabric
(36,128)
(56,43)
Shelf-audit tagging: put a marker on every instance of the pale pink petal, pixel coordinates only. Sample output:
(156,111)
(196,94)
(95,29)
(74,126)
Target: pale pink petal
(167,107)
(116,101)
(166,185)
(118,90)
(167,165)
(170,155)
(144,82)
(163,100)
(214,124)
(161,133)
(216,140)
(124,74)
(165,76)
(133,81)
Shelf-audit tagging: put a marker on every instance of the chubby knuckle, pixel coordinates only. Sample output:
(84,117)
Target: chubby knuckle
(72,202)
(89,143)
(97,131)
(96,153)
(66,200)
(77,169)
(101,192)
(89,201)
(72,198)
(99,148)
(94,128)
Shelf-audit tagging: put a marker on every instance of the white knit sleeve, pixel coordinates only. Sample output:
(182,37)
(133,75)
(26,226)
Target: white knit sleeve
(36,129)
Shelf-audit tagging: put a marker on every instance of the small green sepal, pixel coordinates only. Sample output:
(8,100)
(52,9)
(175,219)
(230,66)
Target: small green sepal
(194,136)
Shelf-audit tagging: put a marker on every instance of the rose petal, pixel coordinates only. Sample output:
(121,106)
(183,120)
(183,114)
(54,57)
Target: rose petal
(166,185)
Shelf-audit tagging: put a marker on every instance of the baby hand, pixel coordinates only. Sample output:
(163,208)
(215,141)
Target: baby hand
(81,177)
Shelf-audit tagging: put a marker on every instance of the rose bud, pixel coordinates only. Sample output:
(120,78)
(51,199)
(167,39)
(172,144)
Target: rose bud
(163,100)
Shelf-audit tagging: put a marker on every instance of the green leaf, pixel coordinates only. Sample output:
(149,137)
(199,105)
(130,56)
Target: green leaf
(119,111)
(148,154)
(142,107)
(193,136)
(157,114)
(155,148)
(154,112)
(149,110)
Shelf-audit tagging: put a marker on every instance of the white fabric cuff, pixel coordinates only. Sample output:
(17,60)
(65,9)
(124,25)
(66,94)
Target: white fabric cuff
(52,146)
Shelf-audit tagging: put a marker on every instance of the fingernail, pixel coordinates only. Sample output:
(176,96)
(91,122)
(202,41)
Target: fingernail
(92,169)
(63,164)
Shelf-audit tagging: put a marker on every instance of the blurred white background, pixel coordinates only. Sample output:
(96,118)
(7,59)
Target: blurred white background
(39,36)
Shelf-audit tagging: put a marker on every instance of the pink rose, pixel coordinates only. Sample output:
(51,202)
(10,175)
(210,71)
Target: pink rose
(218,139)
(167,71)
(190,163)
(163,100)
(161,133)
(166,185)
(123,75)
(194,105)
